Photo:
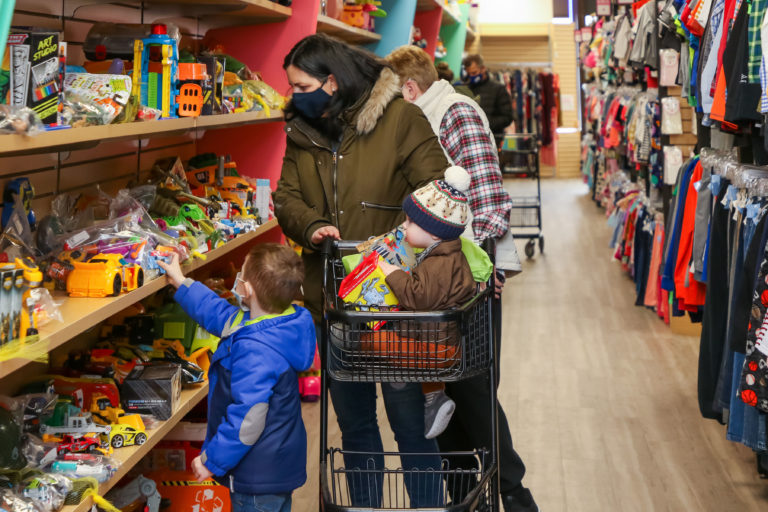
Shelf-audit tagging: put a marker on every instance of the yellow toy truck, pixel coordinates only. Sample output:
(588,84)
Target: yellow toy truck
(103,275)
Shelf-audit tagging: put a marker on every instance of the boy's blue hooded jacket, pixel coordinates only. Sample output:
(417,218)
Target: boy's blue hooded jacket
(256,442)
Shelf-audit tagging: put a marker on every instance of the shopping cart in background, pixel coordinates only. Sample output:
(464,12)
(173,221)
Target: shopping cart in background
(385,345)
(520,157)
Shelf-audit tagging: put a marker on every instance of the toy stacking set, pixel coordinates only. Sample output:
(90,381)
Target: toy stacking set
(134,73)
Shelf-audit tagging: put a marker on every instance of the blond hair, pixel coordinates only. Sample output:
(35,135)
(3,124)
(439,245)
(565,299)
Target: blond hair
(411,62)
(275,272)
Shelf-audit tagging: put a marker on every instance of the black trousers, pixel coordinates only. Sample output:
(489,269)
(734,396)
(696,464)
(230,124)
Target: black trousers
(470,428)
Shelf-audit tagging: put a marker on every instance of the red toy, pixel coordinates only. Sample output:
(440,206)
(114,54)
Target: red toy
(72,444)
(83,390)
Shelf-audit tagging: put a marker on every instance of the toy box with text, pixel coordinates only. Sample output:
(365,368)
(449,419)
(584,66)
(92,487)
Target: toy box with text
(30,75)
(152,389)
(185,494)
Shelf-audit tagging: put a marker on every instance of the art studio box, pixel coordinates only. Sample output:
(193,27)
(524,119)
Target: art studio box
(32,72)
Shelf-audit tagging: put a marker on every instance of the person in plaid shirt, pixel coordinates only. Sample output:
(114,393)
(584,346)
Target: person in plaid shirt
(467,140)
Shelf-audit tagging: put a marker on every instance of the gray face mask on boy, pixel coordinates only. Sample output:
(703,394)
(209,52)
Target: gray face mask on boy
(239,297)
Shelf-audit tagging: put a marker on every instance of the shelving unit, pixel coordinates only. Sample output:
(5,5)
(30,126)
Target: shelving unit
(227,13)
(81,314)
(90,136)
(352,35)
(131,455)
(449,18)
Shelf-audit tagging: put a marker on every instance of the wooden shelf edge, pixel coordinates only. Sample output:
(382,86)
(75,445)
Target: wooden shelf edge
(68,139)
(130,456)
(62,332)
(449,18)
(336,28)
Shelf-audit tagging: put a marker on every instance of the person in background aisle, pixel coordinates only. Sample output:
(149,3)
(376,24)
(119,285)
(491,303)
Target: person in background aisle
(355,150)
(467,140)
(255,444)
(444,72)
(494,97)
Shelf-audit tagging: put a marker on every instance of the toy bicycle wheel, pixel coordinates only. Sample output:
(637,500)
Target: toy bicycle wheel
(117,285)
(141,438)
(117,441)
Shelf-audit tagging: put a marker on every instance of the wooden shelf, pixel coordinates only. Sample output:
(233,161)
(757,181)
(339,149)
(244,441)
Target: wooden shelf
(131,455)
(449,18)
(81,314)
(471,35)
(223,13)
(90,136)
(352,35)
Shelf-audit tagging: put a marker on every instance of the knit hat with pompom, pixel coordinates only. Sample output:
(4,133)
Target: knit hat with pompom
(441,207)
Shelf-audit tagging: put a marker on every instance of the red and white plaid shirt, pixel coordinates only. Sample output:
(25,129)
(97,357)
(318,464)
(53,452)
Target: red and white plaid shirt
(469,145)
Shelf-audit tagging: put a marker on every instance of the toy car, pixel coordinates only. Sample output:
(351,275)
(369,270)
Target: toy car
(103,275)
(125,435)
(74,444)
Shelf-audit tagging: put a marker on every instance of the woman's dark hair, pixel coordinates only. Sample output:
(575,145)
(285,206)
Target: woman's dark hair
(355,70)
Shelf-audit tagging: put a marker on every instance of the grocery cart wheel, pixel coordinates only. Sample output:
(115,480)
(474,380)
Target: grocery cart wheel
(530,247)
(541,244)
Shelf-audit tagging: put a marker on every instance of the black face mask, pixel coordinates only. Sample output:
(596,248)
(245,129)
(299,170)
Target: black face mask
(312,104)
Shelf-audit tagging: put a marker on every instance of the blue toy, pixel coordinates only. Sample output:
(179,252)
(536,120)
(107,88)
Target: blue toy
(21,188)
(159,90)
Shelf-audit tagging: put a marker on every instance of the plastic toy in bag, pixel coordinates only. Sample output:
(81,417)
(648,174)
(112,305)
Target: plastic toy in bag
(19,120)
(46,490)
(392,247)
(94,99)
(366,288)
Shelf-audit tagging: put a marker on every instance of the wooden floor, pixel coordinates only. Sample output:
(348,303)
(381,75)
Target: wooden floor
(600,394)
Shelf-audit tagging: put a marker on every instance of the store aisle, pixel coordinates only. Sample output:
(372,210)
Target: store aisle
(600,394)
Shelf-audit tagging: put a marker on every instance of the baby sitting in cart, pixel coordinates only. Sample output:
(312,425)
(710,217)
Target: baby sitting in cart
(436,215)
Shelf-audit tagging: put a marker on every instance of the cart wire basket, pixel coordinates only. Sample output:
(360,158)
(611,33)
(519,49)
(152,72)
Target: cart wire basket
(462,482)
(381,344)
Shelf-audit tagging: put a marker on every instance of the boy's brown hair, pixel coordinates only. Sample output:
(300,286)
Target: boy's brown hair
(275,272)
(411,62)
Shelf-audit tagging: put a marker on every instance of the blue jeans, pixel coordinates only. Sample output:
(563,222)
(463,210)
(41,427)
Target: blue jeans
(355,406)
(260,502)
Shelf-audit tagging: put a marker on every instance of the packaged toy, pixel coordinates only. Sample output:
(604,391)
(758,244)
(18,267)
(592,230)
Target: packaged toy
(94,99)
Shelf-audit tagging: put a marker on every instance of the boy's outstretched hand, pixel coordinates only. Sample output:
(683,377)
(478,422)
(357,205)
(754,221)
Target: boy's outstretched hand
(173,270)
(201,472)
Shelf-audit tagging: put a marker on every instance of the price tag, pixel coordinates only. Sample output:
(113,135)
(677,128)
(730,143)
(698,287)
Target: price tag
(586,34)
(77,239)
(577,35)
(604,8)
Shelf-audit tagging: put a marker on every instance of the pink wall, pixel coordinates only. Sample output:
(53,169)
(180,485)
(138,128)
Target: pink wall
(258,149)
(429,23)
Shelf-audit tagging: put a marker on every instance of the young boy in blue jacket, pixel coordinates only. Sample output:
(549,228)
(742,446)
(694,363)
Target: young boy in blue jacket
(256,443)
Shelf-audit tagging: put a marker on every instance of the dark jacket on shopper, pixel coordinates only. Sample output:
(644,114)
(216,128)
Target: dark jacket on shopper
(388,150)
(442,280)
(256,442)
(495,102)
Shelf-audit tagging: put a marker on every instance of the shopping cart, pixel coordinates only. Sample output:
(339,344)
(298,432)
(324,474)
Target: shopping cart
(385,345)
(520,154)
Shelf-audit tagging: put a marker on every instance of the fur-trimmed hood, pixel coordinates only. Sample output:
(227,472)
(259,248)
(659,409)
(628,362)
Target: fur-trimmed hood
(383,92)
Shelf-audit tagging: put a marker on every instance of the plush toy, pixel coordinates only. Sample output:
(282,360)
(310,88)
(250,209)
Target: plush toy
(418,38)
(440,49)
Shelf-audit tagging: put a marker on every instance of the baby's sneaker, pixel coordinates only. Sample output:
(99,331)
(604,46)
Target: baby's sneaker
(438,409)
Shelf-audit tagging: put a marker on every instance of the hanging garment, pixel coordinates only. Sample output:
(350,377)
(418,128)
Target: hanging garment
(742,96)
(689,292)
(652,288)
(713,328)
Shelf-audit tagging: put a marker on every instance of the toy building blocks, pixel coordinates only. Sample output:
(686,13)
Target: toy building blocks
(156,69)
(102,276)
